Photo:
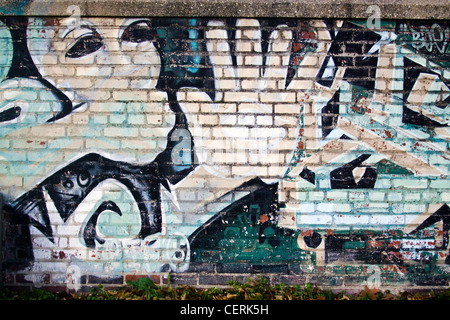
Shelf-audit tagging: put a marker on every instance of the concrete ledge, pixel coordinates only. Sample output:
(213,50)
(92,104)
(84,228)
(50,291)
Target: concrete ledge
(323,9)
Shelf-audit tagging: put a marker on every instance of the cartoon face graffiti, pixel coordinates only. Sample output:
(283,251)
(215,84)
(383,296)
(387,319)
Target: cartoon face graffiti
(85,61)
(109,128)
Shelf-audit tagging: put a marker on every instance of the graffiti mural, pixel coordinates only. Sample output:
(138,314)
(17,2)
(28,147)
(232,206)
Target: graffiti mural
(137,146)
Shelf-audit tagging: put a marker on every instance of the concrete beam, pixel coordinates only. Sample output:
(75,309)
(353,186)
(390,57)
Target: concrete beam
(323,9)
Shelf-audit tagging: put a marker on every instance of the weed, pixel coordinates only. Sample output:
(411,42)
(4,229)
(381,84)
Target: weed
(253,289)
(147,286)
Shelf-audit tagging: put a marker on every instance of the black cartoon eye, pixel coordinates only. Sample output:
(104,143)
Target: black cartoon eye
(139,31)
(84,178)
(90,230)
(68,184)
(85,44)
(10,114)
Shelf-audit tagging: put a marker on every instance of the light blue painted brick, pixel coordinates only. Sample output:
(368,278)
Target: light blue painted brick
(136,119)
(342,207)
(305,185)
(116,118)
(351,219)
(301,196)
(357,196)
(410,183)
(316,195)
(383,183)
(440,184)
(377,196)
(102,119)
(324,183)
(4,144)
(394,196)
(325,207)
(439,159)
(313,219)
(397,208)
(431,197)
(15,156)
(37,156)
(387,220)
(337,195)
(307,207)
(412,196)
(413,207)
(368,207)
(109,107)
(445,196)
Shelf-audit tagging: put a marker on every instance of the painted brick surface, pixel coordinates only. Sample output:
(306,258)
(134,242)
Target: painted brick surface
(306,150)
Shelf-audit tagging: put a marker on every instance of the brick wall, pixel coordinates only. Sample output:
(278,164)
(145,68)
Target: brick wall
(306,150)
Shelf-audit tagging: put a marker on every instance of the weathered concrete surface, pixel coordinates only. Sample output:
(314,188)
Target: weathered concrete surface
(344,9)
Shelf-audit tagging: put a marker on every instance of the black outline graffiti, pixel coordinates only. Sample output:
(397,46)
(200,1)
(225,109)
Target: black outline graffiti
(70,185)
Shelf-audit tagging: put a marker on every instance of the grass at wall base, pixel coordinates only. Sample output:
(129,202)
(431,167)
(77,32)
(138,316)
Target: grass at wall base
(253,289)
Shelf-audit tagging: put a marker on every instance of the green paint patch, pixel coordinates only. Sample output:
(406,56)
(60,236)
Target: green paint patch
(388,167)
